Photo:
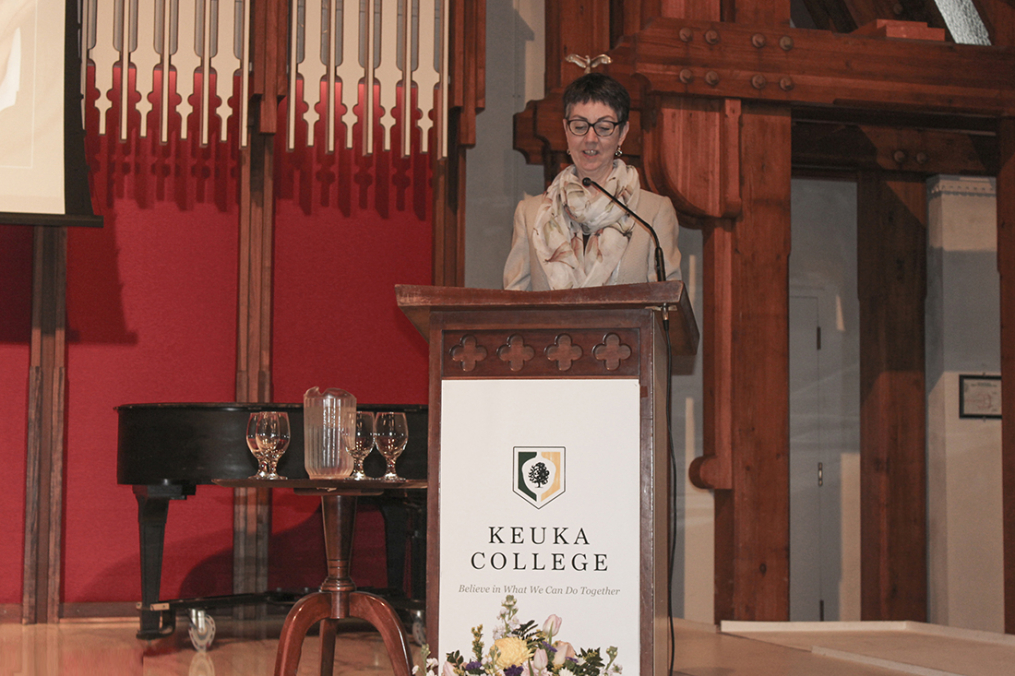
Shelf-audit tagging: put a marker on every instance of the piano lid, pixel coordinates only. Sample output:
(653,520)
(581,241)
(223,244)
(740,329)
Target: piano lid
(195,443)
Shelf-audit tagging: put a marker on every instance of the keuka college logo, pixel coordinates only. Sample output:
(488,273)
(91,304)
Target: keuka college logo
(539,473)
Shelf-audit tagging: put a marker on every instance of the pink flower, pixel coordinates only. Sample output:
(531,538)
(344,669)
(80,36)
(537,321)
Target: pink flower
(448,670)
(564,651)
(539,660)
(551,626)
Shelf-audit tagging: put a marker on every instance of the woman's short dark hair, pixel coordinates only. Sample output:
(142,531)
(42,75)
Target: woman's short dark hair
(598,88)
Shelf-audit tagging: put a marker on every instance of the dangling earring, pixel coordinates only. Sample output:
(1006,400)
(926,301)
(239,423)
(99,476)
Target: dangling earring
(619,152)
(569,152)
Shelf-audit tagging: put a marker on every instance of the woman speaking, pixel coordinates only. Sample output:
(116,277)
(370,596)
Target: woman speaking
(573,235)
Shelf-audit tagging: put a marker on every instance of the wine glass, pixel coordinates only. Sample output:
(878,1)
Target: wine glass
(364,443)
(391,434)
(267,438)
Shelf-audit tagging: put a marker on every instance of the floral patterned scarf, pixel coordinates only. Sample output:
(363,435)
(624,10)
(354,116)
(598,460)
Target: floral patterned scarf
(570,211)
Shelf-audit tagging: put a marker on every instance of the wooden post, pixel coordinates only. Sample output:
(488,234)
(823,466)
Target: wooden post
(746,348)
(252,507)
(892,273)
(752,524)
(467,96)
(1006,268)
(46,398)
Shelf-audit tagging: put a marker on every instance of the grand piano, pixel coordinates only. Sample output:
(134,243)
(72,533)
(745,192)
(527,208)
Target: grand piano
(165,451)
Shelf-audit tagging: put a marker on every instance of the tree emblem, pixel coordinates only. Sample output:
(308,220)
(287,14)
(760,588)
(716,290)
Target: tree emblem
(539,474)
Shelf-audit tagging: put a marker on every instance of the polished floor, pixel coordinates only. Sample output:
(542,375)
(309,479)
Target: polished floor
(94,648)
(109,648)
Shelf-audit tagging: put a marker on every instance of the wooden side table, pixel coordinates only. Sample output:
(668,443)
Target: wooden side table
(337,598)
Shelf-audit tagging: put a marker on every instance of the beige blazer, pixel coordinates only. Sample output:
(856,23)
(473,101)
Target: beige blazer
(523,273)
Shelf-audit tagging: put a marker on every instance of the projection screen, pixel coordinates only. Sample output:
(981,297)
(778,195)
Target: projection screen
(42,172)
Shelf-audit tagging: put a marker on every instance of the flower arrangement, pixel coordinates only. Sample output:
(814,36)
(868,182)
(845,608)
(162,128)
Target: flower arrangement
(522,649)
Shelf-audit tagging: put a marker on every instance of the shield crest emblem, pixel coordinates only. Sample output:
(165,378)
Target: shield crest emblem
(539,476)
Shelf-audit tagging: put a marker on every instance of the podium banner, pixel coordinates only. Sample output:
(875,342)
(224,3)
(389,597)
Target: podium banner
(539,500)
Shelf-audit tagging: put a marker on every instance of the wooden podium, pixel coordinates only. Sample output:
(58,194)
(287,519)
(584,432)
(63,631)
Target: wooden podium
(548,462)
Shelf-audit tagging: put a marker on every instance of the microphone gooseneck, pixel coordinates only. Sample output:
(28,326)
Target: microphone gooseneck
(660,266)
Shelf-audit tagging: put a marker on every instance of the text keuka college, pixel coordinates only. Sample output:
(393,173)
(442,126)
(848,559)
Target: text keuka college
(538,560)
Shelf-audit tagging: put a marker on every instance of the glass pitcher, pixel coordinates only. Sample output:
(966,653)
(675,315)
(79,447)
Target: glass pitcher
(329,431)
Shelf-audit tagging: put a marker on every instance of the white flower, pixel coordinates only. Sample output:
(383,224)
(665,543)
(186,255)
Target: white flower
(448,670)
(539,660)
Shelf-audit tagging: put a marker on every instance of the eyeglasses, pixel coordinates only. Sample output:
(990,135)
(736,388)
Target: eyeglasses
(579,126)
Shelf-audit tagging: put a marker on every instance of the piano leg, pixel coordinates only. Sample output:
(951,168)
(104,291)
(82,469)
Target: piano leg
(395,515)
(152,510)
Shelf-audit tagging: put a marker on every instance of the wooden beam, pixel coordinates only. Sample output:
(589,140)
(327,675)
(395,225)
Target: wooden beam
(468,67)
(467,96)
(852,148)
(714,468)
(865,12)
(252,507)
(759,370)
(812,67)
(449,212)
(905,30)
(579,27)
(269,26)
(1006,268)
(892,274)
(746,369)
(709,131)
(830,15)
(46,400)
(998,17)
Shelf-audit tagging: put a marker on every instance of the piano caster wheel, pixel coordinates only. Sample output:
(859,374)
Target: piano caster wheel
(418,628)
(202,629)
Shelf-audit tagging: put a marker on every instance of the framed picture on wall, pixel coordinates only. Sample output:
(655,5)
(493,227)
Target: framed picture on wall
(979,396)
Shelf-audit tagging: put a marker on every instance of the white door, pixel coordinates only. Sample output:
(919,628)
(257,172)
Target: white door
(807,466)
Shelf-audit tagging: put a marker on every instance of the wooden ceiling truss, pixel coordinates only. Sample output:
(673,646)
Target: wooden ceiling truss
(729,101)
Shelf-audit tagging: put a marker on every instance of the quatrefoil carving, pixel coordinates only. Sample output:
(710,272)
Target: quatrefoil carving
(468,352)
(516,352)
(563,352)
(611,351)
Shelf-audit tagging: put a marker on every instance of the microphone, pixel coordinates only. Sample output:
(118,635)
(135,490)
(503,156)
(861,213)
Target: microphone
(660,267)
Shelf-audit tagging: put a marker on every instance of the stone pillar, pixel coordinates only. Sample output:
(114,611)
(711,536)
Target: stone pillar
(963,454)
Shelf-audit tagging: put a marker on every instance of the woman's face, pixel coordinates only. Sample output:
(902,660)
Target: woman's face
(591,153)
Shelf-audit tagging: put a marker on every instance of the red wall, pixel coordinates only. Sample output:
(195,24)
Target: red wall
(151,313)
(349,227)
(151,304)
(15,337)
(336,324)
